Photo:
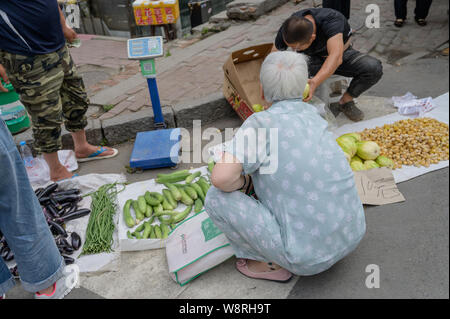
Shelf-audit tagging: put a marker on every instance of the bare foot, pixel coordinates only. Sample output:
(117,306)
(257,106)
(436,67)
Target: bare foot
(259,266)
(60,173)
(89,149)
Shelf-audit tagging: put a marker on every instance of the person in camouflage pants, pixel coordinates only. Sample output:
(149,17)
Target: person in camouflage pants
(37,62)
(52,92)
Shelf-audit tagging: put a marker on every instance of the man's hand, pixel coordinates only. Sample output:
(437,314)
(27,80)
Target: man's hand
(69,34)
(312,88)
(335,47)
(4,77)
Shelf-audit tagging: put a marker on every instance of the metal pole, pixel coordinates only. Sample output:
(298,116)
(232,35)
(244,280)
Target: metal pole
(156,104)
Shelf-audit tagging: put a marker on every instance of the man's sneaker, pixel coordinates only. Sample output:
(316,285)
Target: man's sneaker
(60,289)
(351,111)
(335,109)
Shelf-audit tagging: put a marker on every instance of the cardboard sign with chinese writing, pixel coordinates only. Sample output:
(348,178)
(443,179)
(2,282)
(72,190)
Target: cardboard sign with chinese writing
(377,187)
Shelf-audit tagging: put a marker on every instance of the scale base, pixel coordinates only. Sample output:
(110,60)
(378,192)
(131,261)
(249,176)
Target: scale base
(154,149)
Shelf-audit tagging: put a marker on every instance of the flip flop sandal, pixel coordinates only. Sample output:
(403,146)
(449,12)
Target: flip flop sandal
(421,22)
(399,22)
(96,155)
(280,275)
(65,179)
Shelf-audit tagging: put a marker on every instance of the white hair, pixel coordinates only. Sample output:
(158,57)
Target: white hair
(284,75)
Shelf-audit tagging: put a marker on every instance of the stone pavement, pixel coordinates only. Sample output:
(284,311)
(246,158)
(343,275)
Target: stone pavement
(190,75)
(192,69)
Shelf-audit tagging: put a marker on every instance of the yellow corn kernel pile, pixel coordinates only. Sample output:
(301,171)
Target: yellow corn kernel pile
(418,142)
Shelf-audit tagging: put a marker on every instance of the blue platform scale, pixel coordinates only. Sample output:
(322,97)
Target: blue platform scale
(159,147)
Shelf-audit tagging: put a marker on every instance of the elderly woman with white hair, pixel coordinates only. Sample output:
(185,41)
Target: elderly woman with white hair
(307,215)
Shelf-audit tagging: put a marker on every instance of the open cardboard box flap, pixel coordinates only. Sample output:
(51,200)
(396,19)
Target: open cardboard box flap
(242,86)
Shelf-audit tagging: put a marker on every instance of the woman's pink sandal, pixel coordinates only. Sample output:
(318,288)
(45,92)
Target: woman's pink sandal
(280,275)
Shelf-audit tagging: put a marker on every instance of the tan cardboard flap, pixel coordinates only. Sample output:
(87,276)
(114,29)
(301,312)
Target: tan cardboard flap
(242,71)
(377,187)
(249,80)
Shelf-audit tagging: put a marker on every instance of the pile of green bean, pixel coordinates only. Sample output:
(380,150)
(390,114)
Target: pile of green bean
(100,229)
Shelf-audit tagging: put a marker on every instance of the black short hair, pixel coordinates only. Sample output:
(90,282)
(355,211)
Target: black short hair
(297,30)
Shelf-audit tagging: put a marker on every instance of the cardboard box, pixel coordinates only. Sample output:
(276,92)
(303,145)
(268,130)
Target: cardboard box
(241,85)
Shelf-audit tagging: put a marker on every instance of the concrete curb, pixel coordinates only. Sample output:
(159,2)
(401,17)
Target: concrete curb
(251,9)
(207,109)
(123,128)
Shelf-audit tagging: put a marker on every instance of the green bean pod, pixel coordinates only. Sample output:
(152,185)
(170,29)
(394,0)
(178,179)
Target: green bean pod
(168,195)
(140,227)
(199,190)
(139,215)
(142,204)
(158,232)
(166,205)
(147,230)
(182,215)
(211,164)
(198,205)
(158,209)
(136,235)
(163,220)
(180,172)
(152,233)
(152,201)
(129,220)
(191,177)
(158,196)
(148,211)
(191,192)
(172,179)
(129,235)
(164,230)
(174,190)
(185,199)
(203,184)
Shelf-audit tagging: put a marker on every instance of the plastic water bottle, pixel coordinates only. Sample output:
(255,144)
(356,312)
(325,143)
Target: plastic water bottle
(26,154)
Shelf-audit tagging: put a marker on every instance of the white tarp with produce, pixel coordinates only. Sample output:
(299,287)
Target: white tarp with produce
(102,262)
(440,113)
(95,263)
(133,191)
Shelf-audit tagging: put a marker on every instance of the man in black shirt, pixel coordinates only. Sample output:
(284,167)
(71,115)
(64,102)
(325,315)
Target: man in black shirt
(324,35)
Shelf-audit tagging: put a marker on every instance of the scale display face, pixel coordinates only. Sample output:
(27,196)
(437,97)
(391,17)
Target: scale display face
(145,48)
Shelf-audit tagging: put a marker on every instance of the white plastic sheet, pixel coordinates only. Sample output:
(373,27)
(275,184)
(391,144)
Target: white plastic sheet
(133,191)
(39,174)
(99,262)
(440,112)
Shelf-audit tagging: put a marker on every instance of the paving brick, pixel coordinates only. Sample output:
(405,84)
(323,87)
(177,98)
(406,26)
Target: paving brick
(106,115)
(118,99)
(233,42)
(139,102)
(119,108)
(135,90)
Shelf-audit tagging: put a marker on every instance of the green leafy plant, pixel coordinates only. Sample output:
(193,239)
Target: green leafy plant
(108,107)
